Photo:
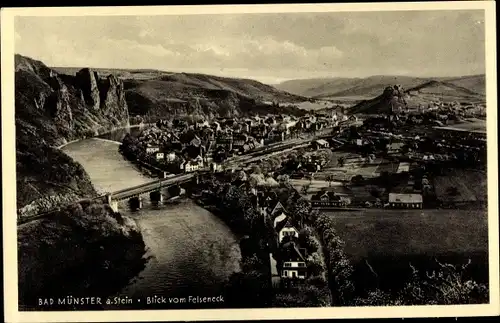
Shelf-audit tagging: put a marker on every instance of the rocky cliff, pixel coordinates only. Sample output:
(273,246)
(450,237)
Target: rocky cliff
(158,94)
(393,99)
(51,109)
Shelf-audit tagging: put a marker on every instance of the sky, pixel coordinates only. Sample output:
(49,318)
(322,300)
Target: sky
(268,47)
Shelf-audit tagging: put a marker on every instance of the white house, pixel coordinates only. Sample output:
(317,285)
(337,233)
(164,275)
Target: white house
(294,262)
(286,229)
(408,201)
(152,149)
(160,156)
(191,166)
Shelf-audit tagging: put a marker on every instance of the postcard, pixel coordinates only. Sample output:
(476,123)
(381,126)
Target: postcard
(250,162)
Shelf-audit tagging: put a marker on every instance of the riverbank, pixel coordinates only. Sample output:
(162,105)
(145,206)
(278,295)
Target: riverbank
(85,250)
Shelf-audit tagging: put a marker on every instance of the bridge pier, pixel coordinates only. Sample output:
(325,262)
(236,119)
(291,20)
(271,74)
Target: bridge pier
(135,203)
(112,203)
(156,197)
(114,206)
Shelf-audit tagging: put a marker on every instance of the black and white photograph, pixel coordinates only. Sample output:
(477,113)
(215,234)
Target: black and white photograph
(278,157)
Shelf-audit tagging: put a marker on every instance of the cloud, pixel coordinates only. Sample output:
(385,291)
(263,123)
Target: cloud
(266,52)
(119,45)
(443,42)
(144,33)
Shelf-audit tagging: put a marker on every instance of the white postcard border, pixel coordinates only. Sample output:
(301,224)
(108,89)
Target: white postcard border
(9,176)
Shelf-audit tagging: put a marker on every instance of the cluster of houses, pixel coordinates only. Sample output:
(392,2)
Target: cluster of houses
(447,142)
(288,264)
(199,144)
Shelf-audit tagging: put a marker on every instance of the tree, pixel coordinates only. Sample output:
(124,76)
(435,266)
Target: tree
(253,181)
(300,208)
(445,286)
(284,179)
(375,192)
(339,267)
(247,290)
(255,169)
(315,264)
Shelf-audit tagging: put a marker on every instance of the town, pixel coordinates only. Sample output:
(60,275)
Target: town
(232,159)
(322,163)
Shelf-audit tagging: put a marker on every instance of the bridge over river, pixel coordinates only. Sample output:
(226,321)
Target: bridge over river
(134,192)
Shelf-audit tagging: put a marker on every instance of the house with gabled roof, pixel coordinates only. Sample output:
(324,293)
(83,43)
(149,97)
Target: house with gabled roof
(293,262)
(326,199)
(277,208)
(286,228)
(281,217)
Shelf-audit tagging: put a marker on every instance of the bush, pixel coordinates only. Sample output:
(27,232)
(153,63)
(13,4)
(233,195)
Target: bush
(304,295)
(317,281)
(315,264)
(447,286)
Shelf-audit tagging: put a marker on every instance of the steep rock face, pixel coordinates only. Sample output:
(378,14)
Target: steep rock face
(392,99)
(52,109)
(87,80)
(112,94)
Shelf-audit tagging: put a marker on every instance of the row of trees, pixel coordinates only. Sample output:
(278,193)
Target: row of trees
(447,285)
(249,288)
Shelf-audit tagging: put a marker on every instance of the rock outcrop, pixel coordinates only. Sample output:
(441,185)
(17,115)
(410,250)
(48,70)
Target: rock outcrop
(52,109)
(87,81)
(392,100)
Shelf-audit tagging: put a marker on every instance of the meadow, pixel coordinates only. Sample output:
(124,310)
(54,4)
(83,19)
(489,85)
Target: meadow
(461,186)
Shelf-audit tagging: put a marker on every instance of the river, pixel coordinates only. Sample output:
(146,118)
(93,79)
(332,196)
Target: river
(190,251)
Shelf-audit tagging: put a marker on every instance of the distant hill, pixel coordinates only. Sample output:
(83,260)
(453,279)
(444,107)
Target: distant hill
(365,88)
(154,94)
(475,83)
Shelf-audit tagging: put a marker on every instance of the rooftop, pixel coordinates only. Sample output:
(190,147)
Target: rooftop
(405,198)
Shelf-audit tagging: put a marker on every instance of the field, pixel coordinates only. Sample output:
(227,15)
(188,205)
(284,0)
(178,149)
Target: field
(387,242)
(346,172)
(461,186)
(403,232)
(387,167)
(472,125)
